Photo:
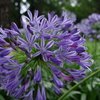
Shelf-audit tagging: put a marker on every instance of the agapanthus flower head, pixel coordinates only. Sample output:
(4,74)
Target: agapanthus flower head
(43,46)
(94,17)
(84,26)
(90,27)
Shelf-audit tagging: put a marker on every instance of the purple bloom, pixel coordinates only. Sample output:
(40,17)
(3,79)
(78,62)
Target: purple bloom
(43,92)
(3,35)
(66,27)
(18,93)
(84,61)
(75,38)
(56,61)
(29,96)
(5,52)
(58,82)
(41,96)
(90,26)
(57,90)
(27,44)
(65,77)
(78,75)
(80,49)
(55,70)
(37,76)
(94,17)
(14,27)
(42,47)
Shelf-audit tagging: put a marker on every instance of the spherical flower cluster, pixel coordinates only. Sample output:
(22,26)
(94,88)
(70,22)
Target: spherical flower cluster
(42,47)
(90,26)
(84,26)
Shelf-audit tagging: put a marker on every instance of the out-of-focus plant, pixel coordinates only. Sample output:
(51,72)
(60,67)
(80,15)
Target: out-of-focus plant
(90,27)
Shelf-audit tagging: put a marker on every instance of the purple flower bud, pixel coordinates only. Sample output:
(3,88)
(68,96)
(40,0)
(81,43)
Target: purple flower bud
(56,61)
(29,96)
(75,38)
(5,52)
(26,86)
(13,84)
(13,32)
(80,49)
(75,58)
(38,96)
(18,93)
(77,74)
(14,27)
(66,27)
(64,36)
(84,61)
(57,90)
(58,82)
(55,70)
(43,92)
(65,77)
(37,77)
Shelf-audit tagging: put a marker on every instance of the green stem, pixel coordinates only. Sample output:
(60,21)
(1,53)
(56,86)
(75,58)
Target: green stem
(75,86)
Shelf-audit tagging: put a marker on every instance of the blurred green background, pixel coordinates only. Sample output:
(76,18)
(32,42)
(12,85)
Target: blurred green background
(13,10)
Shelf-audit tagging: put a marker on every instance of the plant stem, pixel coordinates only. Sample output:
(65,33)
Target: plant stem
(75,86)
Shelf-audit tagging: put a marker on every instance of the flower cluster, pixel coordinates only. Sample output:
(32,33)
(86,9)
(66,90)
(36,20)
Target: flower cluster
(90,26)
(42,47)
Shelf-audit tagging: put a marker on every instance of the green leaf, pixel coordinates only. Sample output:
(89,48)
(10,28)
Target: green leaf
(73,93)
(83,96)
(1,97)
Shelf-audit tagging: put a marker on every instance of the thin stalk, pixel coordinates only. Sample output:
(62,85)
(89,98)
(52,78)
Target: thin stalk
(75,86)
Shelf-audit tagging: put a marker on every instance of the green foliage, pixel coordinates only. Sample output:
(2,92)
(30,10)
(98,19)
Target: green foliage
(1,97)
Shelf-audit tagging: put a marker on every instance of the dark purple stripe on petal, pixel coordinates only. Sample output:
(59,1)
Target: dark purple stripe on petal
(36,54)
(36,45)
(49,45)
